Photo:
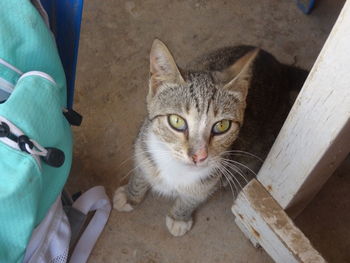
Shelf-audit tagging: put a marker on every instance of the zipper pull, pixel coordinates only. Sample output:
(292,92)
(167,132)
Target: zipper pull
(54,157)
(23,141)
(4,129)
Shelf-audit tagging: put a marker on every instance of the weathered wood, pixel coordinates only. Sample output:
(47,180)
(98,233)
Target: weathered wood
(247,232)
(313,141)
(316,135)
(267,222)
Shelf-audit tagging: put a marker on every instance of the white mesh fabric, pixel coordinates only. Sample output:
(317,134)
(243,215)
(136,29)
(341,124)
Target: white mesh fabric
(61,259)
(50,240)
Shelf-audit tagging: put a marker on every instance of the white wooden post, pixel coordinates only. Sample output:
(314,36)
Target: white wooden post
(313,141)
(316,135)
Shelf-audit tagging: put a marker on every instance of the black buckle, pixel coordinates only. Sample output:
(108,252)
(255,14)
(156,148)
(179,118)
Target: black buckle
(73,117)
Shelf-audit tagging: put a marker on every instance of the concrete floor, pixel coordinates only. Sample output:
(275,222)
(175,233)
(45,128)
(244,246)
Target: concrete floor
(110,93)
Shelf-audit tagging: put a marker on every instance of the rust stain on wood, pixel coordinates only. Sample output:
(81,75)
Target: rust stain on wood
(255,233)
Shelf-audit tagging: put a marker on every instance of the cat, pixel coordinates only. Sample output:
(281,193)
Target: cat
(201,124)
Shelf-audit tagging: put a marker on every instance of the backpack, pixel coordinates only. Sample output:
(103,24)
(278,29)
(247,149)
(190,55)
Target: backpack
(36,146)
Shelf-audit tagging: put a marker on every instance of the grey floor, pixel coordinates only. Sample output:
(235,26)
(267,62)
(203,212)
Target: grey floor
(111,88)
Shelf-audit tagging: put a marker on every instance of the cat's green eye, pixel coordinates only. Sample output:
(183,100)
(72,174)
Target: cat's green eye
(177,123)
(221,126)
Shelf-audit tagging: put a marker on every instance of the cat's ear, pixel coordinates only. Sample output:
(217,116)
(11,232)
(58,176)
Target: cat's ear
(163,68)
(237,77)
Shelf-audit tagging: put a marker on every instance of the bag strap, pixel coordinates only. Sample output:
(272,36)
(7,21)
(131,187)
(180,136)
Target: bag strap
(95,199)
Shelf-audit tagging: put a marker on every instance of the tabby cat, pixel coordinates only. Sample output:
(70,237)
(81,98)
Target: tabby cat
(201,124)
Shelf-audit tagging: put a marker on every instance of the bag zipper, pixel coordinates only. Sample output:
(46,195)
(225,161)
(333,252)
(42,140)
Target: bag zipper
(15,138)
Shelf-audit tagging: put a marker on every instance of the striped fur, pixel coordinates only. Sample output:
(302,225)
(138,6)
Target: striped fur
(242,84)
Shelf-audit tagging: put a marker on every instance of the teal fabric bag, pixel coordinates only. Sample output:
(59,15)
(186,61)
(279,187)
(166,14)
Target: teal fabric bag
(32,77)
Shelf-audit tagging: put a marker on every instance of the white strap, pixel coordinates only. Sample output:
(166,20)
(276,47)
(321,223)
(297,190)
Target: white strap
(42,242)
(93,199)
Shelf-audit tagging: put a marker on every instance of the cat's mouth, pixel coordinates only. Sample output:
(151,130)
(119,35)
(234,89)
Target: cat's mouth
(199,165)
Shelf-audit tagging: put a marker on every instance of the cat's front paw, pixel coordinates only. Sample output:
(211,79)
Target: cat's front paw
(178,228)
(120,200)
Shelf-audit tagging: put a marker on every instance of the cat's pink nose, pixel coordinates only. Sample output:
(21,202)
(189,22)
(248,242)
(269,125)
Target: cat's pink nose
(200,156)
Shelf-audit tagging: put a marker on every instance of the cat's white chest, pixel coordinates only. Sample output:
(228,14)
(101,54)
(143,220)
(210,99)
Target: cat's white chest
(174,177)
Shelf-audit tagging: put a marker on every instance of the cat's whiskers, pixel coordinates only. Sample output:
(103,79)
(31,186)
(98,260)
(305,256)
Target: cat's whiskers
(236,172)
(236,169)
(133,169)
(142,153)
(174,153)
(241,174)
(223,171)
(235,178)
(144,162)
(230,175)
(243,153)
(148,150)
(222,162)
(241,164)
(227,179)
(157,142)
